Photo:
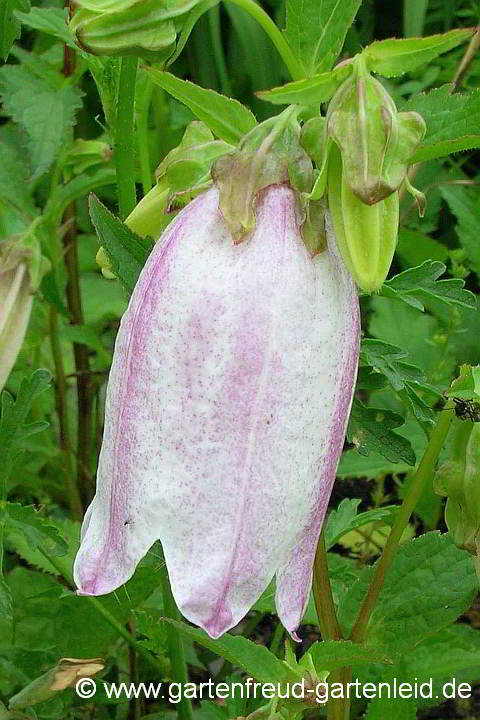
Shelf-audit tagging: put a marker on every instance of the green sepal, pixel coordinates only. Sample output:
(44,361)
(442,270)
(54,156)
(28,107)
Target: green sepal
(269,154)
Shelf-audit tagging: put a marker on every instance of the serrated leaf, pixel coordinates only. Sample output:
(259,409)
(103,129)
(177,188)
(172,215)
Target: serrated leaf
(14,417)
(38,532)
(422,281)
(430,583)
(346,518)
(372,429)
(52,21)
(316,30)
(405,378)
(227,118)
(467,385)
(14,172)
(333,654)
(453,122)
(9,25)
(6,612)
(46,112)
(445,654)
(394,57)
(311,91)
(464,203)
(69,531)
(256,660)
(127,251)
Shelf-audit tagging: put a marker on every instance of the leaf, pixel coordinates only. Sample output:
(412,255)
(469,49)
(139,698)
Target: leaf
(406,379)
(371,429)
(36,529)
(467,385)
(422,281)
(346,518)
(333,654)
(13,429)
(414,247)
(227,118)
(14,172)
(6,612)
(414,12)
(9,25)
(311,91)
(452,122)
(395,708)
(445,654)
(127,251)
(464,203)
(69,531)
(52,21)
(88,335)
(316,30)
(256,660)
(431,582)
(45,112)
(394,57)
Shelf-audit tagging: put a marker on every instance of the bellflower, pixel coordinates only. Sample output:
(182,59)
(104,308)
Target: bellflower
(226,408)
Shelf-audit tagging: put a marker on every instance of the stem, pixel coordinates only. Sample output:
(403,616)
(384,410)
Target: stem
(322,594)
(275,35)
(124,136)
(80,352)
(73,495)
(143,106)
(176,650)
(467,59)
(415,490)
(213,17)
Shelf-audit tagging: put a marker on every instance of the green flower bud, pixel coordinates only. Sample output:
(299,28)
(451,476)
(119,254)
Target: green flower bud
(375,140)
(457,480)
(366,234)
(138,27)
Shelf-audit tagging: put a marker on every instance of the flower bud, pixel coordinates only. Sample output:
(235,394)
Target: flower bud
(375,140)
(226,409)
(138,27)
(457,480)
(366,234)
(22,267)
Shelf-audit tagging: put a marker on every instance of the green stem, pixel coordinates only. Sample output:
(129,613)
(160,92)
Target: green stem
(124,136)
(73,494)
(275,35)
(414,493)
(213,17)
(176,650)
(322,594)
(143,107)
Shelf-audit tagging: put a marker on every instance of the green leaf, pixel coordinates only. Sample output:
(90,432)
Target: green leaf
(453,122)
(311,91)
(431,582)
(406,379)
(464,203)
(14,172)
(89,336)
(419,282)
(414,12)
(44,111)
(69,531)
(127,251)
(393,708)
(372,429)
(394,57)
(467,385)
(13,427)
(445,654)
(414,247)
(38,532)
(227,118)
(6,612)
(9,25)
(52,21)
(333,654)
(316,30)
(346,518)
(256,660)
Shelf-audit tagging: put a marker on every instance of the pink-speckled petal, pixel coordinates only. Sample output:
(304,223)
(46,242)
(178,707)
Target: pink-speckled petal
(221,412)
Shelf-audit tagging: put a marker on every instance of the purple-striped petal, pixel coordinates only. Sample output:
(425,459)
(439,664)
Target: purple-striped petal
(226,408)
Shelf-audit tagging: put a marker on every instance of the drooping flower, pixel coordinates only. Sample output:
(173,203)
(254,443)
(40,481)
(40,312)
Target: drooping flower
(226,409)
